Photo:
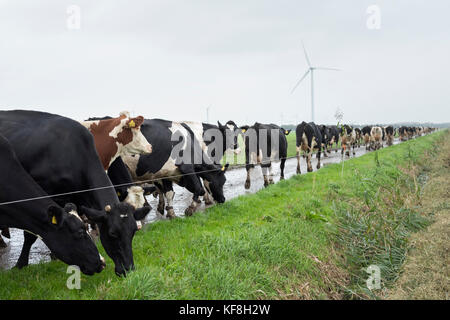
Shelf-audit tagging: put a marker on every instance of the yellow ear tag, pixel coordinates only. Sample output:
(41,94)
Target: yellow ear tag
(54,220)
(243,130)
(223,168)
(118,194)
(286,132)
(131,124)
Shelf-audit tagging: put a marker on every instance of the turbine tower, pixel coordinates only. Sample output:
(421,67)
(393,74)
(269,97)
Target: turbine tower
(310,70)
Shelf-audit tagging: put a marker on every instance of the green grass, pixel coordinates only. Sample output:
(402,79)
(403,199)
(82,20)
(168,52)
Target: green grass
(306,237)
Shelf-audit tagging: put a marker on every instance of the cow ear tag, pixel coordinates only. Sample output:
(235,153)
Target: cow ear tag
(286,132)
(131,124)
(223,168)
(243,130)
(54,220)
(118,194)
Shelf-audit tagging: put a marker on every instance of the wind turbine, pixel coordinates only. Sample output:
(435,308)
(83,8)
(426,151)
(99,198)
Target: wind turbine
(310,69)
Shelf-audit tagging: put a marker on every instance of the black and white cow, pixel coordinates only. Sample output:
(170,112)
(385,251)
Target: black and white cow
(366,136)
(24,205)
(389,135)
(178,156)
(264,144)
(326,138)
(60,154)
(334,134)
(228,133)
(308,139)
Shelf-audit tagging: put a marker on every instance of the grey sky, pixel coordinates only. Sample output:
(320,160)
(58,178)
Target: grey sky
(171,59)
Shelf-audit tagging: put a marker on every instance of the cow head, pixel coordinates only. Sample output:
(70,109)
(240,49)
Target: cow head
(215,175)
(131,137)
(230,133)
(69,241)
(117,224)
(116,137)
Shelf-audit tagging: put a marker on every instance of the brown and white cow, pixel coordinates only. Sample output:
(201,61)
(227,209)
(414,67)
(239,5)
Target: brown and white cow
(376,138)
(117,137)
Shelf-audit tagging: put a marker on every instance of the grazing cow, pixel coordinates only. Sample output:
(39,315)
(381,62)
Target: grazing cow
(264,144)
(178,157)
(376,138)
(366,136)
(389,135)
(24,205)
(60,155)
(115,137)
(228,133)
(308,138)
(348,140)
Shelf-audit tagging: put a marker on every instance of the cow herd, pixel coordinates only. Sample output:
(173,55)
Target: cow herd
(64,181)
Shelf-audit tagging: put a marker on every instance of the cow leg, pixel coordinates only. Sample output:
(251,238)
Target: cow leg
(271,175)
(318,159)
(298,160)
(325,151)
(169,195)
(265,171)
(28,241)
(207,197)
(282,163)
(308,162)
(249,168)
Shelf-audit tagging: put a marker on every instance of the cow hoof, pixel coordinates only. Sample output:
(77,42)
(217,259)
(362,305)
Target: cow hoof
(247,184)
(318,166)
(271,181)
(53,257)
(266,184)
(298,171)
(170,213)
(209,202)
(189,211)
(310,169)
(281,178)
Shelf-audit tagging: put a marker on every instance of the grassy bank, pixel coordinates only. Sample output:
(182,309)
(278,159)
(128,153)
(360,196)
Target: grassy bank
(310,237)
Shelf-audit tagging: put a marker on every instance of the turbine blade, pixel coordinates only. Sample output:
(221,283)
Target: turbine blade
(301,79)
(306,55)
(323,68)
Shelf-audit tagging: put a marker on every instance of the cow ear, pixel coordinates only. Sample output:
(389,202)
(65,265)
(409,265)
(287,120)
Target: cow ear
(56,215)
(93,215)
(244,128)
(225,167)
(135,122)
(219,124)
(140,213)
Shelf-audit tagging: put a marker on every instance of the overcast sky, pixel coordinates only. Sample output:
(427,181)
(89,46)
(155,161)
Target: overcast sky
(172,59)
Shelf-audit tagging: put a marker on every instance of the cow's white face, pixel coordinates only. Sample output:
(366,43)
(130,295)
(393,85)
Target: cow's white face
(139,144)
(135,197)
